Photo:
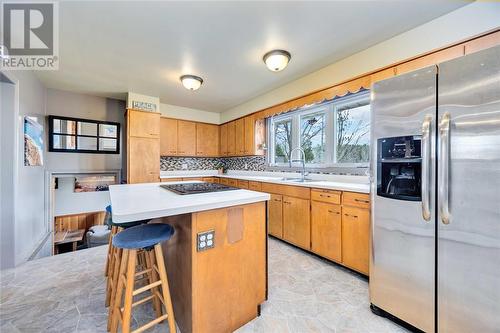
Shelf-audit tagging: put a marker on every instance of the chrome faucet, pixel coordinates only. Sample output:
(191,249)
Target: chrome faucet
(303,160)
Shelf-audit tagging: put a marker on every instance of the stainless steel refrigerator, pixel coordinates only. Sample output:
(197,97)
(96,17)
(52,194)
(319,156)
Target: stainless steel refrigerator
(435,256)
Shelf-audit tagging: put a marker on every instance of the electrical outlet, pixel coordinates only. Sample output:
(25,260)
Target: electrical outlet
(184,166)
(205,240)
(246,166)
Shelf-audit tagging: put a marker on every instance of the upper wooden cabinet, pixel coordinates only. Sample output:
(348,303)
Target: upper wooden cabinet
(240,136)
(143,146)
(186,138)
(207,140)
(231,138)
(223,140)
(168,136)
(143,124)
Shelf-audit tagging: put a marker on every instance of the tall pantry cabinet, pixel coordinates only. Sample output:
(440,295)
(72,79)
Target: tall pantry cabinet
(143,146)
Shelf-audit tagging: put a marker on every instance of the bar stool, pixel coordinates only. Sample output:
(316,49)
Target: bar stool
(114,253)
(145,237)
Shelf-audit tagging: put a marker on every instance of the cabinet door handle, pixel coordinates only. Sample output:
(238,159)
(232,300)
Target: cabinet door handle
(355,216)
(363,201)
(324,195)
(277,200)
(287,202)
(331,211)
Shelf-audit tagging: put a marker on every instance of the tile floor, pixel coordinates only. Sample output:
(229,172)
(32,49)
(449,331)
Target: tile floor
(306,294)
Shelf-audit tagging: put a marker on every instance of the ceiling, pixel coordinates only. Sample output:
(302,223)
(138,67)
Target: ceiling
(109,48)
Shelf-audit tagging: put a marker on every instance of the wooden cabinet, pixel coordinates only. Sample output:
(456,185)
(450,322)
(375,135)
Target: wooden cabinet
(223,140)
(356,238)
(326,230)
(254,186)
(167,180)
(143,124)
(361,200)
(249,145)
(482,43)
(231,138)
(232,182)
(431,59)
(143,160)
(243,184)
(296,221)
(207,140)
(240,136)
(224,181)
(186,142)
(275,215)
(143,146)
(328,196)
(168,137)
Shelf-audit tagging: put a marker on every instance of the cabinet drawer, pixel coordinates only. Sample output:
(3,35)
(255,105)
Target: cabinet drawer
(356,199)
(293,191)
(171,179)
(210,179)
(254,186)
(243,184)
(326,196)
(192,179)
(224,181)
(232,182)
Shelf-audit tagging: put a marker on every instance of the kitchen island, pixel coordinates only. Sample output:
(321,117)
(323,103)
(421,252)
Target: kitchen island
(216,260)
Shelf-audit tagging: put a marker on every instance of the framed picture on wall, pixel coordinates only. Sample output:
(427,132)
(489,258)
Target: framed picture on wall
(33,141)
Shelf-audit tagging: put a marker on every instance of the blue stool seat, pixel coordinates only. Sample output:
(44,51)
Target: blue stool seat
(108,220)
(143,236)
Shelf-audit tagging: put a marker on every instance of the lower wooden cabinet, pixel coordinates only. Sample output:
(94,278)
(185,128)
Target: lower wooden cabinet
(296,221)
(326,230)
(275,215)
(356,238)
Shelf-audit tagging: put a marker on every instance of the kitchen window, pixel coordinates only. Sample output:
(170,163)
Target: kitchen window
(334,133)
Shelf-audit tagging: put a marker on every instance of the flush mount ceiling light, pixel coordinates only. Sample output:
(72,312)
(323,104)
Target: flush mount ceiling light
(276,60)
(191,82)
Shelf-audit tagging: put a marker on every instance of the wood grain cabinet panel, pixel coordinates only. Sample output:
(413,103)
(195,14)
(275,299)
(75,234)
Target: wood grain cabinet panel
(224,181)
(232,182)
(144,160)
(431,59)
(223,140)
(240,136)
(143,124)
(326,230)
(249,148)
(243,184)
(168,180)
(207,140)
(254,186)
(168,137)
(231,138)
(482,43)
(356,238)
(275,215)
(186,142)
(296,221)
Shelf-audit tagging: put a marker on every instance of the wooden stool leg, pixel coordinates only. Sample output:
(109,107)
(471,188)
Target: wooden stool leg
(117,292)
(129,290)
(165,288)
(153,277)
(108,268)
(112,282)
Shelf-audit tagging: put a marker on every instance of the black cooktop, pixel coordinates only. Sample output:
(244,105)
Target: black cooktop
(196,188)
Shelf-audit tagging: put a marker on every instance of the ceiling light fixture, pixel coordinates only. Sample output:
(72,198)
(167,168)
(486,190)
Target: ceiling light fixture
(277,60)
(191,82)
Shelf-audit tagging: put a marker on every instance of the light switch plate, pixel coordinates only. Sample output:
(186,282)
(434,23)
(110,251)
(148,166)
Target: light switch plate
(205,240)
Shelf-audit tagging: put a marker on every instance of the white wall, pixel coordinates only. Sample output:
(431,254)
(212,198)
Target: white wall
(30,223)
(64,103)
(68,202)
(7,181)
(180,112)
(463,23)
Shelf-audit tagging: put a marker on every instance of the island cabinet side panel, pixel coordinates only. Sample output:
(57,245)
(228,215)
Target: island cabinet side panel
(177,253)
(229,280)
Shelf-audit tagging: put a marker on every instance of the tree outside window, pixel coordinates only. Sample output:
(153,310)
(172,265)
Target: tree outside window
(283,141)
(353,134)
(313,137)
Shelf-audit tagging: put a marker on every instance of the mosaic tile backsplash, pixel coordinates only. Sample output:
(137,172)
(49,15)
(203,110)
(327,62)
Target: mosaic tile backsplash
(249,163)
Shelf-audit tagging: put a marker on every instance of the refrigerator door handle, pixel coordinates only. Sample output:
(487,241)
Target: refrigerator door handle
(444,163)
(426,164)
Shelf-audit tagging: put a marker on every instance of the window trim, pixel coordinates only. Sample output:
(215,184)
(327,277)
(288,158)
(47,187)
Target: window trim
(330,109)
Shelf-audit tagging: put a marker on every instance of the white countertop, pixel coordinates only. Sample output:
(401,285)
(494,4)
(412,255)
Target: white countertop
(133,202)
(358,184)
